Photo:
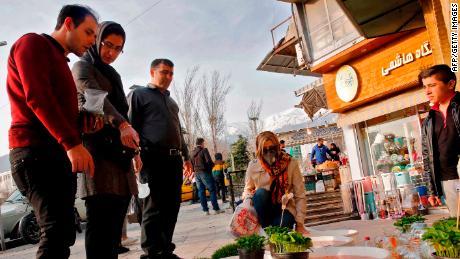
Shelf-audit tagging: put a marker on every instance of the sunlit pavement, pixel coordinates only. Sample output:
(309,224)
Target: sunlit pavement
(198,235)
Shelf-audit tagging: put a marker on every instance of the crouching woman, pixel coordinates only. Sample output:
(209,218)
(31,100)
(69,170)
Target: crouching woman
(273,174)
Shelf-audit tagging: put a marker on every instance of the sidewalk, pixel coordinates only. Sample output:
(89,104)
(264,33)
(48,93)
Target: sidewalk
(198,236)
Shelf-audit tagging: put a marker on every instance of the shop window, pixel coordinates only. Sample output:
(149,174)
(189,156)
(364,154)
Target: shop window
(391,142)
(328,27)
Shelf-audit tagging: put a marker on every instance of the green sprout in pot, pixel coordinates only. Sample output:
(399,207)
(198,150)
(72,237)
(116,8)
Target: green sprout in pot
(404,223)
(251,243)
(444,236)
(276,229)
(226,251)
(290,242)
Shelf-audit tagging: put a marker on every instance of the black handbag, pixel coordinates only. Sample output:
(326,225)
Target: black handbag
(106,143)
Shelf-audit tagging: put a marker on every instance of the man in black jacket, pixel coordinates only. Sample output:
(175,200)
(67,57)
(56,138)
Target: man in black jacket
(441,132)
(202,165)
(154,114)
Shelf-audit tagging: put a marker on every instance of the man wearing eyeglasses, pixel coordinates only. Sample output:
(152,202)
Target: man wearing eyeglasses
(154,114)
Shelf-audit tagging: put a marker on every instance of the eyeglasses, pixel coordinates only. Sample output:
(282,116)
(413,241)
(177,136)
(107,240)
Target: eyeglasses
(109,45)
(269,149)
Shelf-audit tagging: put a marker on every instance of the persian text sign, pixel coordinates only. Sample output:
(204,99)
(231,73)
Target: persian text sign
(405,58)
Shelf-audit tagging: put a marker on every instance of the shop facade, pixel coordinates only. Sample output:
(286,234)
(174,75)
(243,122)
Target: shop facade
(374,87)
(299,143)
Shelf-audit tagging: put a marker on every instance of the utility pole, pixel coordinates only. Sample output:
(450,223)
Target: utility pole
(253,116)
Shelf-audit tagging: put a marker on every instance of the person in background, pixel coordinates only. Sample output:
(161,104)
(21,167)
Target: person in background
(218,172)
(441,133)
(282,145)
(270,176)
(46,150)
(202,165)
(334,152)
(319,152)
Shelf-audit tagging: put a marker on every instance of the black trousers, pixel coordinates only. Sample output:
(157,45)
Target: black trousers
(44,175)
(105,215)
(221,189)
(161,207)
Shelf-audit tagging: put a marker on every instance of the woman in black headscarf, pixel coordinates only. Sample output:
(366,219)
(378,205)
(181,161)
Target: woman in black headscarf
(108,193)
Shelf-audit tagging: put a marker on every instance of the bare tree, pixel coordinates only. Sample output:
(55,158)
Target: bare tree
(215,90)
(187,99)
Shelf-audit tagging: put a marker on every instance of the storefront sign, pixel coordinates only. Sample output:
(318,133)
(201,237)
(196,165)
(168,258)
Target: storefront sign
(346,83)
(405,58)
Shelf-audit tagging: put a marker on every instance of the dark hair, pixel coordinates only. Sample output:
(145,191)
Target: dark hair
(163,61)
(320,139)
(218,156)
(77,12)
(442,72)
(199,141)
(116,29)
(334,145)
(282,141)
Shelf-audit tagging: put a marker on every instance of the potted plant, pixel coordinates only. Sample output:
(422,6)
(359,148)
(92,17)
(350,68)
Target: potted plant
(404,224)
(444,236)
(251,247)
(288,244)
(226,251)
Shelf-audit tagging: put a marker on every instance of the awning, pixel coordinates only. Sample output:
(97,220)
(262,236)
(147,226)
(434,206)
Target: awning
(314,98)
(396,103)
(378,18)
(283,57)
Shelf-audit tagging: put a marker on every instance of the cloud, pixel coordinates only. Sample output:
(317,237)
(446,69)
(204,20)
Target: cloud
(229,36)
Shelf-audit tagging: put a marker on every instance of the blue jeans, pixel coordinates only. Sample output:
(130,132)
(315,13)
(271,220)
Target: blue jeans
(204,180)
(269,214)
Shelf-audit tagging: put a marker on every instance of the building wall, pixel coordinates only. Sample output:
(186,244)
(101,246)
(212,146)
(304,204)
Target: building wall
(350,138)
(372,85)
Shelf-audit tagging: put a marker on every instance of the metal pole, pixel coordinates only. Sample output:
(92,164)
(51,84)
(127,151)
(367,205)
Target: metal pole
(3,43)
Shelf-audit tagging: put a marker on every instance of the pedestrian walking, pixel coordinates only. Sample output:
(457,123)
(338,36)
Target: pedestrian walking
(202,165)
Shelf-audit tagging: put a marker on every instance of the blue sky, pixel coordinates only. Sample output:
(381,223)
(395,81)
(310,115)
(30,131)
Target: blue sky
(231,36)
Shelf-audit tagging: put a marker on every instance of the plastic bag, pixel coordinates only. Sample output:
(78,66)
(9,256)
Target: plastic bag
(244,221)
(94,101)
(134,213)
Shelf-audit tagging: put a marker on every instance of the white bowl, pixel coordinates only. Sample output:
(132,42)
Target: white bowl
(350,252)
(324,241)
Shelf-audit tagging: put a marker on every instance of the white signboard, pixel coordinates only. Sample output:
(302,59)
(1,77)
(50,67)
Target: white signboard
(346,83)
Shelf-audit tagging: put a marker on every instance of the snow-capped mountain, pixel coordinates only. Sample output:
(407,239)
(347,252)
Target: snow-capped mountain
(292,116)
(274,122)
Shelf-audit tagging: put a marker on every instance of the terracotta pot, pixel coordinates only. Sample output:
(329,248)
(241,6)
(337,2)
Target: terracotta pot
(245,254)
(295,255)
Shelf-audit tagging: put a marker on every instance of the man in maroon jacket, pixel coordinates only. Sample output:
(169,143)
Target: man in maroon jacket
(44,139)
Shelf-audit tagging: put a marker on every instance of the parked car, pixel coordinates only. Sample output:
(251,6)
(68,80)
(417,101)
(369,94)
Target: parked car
(18,219)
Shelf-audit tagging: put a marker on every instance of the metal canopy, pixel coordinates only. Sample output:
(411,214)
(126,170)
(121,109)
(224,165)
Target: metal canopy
(378,18)
(283,57)
(314,98)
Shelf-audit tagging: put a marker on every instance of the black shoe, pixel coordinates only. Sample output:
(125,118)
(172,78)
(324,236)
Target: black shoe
(121,249)
(173,256)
